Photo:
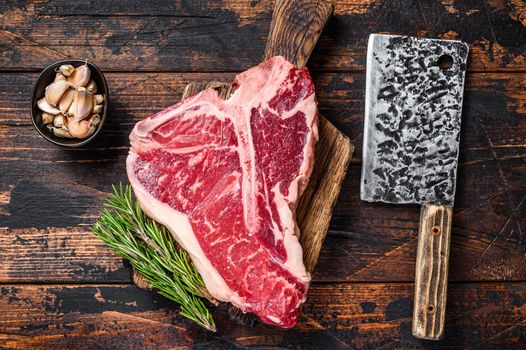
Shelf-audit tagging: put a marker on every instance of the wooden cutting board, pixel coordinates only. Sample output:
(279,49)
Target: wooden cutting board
(296,26)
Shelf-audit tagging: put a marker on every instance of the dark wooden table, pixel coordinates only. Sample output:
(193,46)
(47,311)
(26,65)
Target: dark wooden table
(62,288)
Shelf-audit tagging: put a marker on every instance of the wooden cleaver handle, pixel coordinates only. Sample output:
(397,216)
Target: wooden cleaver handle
(432,260)
(295,29)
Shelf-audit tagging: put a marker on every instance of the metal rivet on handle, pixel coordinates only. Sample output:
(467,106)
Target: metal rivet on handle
(431,309)
(436,230)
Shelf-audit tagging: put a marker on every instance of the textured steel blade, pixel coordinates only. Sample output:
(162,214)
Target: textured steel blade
(412,119)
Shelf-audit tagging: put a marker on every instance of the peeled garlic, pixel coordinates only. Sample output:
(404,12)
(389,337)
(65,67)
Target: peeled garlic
(82,128)
(82,104)
(47,118)
(97,109)
(59,121)
(66,100)
(46,107)
(66,69)
(59,76)
(80,76)
(92,86)
(55,91)
(61,132)
(99,99)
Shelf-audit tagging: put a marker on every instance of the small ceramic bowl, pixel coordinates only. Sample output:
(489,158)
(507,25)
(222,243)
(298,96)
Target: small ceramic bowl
(47,77)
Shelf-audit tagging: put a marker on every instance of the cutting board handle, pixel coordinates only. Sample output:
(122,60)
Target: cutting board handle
(432,260)
(295,29)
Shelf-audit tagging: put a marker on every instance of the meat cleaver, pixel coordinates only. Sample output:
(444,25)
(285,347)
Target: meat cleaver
(413,103)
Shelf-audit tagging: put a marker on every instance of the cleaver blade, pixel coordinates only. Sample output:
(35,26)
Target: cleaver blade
(413,103)
(412,119)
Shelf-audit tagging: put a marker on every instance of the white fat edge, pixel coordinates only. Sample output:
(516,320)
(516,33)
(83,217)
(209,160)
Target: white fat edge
(299,184)
(274,319)
(275,80)
(239,302)
(181,229)
(294,263)
(261,80)
(267,90)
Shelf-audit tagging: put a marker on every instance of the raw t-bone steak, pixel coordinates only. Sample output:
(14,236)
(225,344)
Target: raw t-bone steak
(225,175)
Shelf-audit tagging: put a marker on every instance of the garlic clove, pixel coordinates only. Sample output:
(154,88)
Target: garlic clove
(73,105)
(66,100)
(55,91)
(81,128)
(82,104)
(61,132)
(97,109)
(47,118)
(59,76)
(92,87)
(59,121)
(66,69)
(46,107)
(80,76)
(99,99)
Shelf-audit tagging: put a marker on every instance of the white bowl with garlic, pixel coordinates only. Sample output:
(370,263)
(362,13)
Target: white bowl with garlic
(70,102)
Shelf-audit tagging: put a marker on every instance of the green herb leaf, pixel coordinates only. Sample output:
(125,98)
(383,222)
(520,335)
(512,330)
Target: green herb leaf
(150,249)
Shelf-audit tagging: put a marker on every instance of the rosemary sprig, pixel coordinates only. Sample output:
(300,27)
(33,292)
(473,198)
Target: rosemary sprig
(149,248)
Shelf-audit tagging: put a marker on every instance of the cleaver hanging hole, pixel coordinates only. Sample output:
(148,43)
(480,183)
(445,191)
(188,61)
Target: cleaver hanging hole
(445,62)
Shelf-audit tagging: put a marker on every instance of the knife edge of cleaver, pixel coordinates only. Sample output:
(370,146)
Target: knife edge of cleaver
(412,119)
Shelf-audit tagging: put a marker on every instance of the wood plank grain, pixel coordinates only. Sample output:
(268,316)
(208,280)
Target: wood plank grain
(58,255)
(336,316)
(376,242)
(230,35)
(366,242)
(295,29)
(45,234)
(331,159)
(494,103)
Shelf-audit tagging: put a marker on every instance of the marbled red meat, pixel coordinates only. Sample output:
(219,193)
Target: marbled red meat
(225,175)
